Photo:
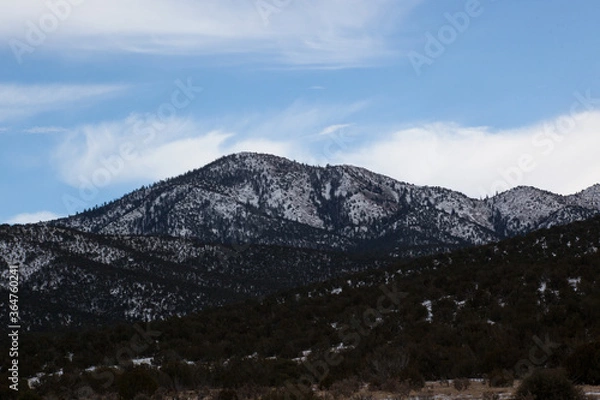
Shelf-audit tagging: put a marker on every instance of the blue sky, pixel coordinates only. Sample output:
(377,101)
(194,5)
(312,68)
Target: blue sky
(100,97)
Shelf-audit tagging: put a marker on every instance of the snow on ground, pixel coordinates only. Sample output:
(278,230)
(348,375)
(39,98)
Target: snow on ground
(427,304)
(574,282)
(142,361)
(542,288)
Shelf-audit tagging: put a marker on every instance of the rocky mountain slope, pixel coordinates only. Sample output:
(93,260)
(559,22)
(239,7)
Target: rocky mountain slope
(249,225)
(263,199)
(70,278)
(495,312)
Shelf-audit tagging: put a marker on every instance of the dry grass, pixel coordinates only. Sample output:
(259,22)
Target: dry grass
(431,391)
(438,391)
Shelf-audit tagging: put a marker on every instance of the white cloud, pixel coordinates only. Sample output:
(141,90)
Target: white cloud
(182,154)
(480,161)
(98,160)
(324,32)
(558,155)
(122,151)
(140,149)
(25,100)
(31,218)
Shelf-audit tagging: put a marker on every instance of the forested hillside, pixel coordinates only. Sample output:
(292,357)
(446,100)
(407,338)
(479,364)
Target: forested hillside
(496,311)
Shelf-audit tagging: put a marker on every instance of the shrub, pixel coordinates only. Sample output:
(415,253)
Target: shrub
(490,396)
(180,374)
(160,394)
(345,388)
(426,395)
(277,394)
(227,394)
(251,391)
(413,377)
(29,396)
(461,384)
(550,384)
(501,378)
(401,389)
(135,381)
(583,365)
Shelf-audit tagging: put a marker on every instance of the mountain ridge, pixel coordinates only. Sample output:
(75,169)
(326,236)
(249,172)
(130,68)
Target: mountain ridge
(472,313)
(68,278)
(248,225)
(250,198)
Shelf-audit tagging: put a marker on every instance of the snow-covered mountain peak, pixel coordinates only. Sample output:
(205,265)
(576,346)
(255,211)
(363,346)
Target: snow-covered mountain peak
(265,199)
(590,194)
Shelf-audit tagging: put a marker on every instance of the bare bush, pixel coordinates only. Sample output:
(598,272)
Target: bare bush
(345,389)
(500,378)
(427,395)
(461,384)
(360,396)
(399,390)
(490,396)
(551,384)
(227,394)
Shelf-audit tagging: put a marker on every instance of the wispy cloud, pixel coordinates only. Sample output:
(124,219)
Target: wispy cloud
(310,33)
(475,160)
(45,130)
(31,218)
(299,120)
(332,129)
(127,150)
(94,154)
(19,100)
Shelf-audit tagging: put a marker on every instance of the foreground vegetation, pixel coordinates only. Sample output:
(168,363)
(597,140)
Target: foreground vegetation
(498,312)
(350,389)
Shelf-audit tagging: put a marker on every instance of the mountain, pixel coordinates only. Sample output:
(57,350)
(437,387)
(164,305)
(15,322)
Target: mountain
(525,209)
(70,278)
(246,226)
(252,198)
(497,312)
